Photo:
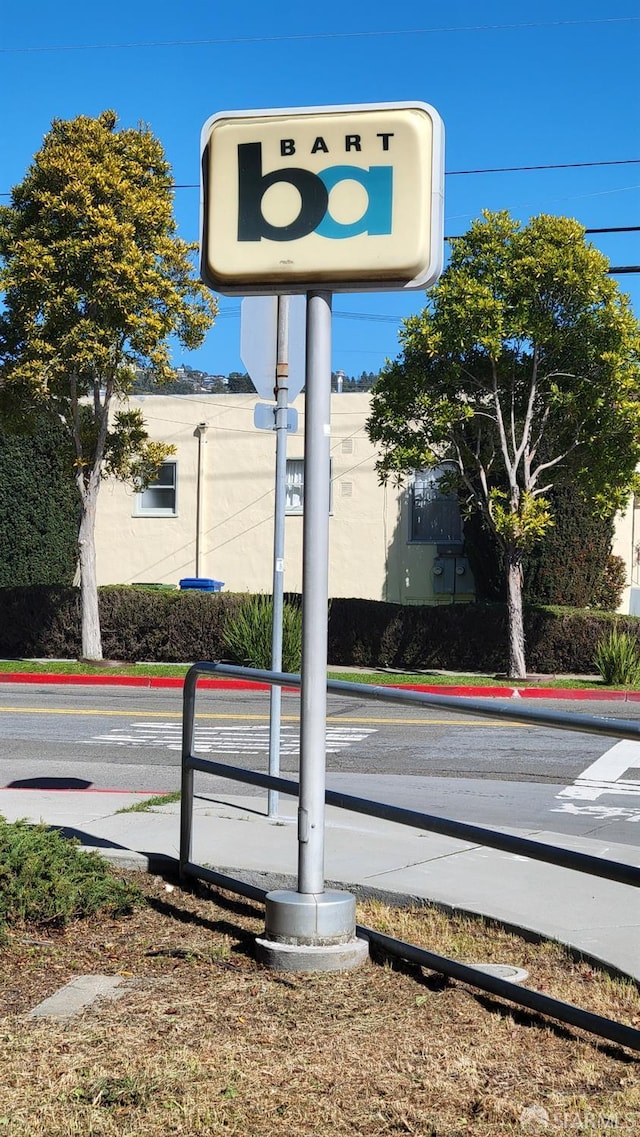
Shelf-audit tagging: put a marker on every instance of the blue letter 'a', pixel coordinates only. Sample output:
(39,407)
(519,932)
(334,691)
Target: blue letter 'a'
(376,219)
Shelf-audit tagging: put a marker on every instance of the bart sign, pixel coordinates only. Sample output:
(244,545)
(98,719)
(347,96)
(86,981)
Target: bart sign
(347,199)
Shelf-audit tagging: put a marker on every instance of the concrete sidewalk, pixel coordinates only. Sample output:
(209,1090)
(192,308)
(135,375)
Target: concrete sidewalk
(596,917)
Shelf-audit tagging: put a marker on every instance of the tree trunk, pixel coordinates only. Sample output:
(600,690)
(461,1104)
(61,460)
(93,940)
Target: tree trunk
(513,565)
(91,639)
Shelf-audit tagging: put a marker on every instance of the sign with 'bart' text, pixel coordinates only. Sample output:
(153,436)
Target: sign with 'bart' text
(346,199)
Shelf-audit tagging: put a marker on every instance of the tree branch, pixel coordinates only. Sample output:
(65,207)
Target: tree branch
(523,448)
(504,444)
(553,462)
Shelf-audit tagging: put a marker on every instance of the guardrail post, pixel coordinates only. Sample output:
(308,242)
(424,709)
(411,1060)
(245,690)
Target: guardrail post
(186,795)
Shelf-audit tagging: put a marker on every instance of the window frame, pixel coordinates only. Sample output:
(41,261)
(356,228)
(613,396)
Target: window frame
(141,510)
(289,512)
(435,539)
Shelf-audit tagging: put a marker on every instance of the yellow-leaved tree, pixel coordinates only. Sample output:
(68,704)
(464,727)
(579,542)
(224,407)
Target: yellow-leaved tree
(94,282)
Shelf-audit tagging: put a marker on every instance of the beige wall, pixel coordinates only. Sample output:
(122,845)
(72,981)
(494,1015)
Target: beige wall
(370,556)
(626,542)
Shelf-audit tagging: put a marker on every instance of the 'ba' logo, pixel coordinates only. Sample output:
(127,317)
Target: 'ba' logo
(314,190)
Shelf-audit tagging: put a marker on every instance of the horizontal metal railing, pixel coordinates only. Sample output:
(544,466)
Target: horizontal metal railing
(534,850)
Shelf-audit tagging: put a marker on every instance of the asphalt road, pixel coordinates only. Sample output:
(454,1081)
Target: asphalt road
(471,768)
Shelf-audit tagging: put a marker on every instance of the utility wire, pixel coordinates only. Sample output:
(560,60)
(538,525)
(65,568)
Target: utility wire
(223,42)
(502,169)
(493,170)
(552,166)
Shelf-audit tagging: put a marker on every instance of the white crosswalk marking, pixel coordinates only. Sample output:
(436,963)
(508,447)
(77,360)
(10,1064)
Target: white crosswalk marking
(605,778)
(242,739)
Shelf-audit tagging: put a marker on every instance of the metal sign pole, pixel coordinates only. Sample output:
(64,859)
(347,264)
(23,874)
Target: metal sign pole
(315,592)
(313,929)
(282,398)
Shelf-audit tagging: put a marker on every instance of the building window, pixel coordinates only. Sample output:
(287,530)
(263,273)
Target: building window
(159,499)
(295,486)
(434,514)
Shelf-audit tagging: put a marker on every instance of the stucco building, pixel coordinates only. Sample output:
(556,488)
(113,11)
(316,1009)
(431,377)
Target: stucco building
(210,514)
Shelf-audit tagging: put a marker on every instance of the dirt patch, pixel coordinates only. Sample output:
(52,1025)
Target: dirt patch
(213,1043)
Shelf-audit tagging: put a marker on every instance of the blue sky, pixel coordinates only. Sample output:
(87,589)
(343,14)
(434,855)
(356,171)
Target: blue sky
(555,83)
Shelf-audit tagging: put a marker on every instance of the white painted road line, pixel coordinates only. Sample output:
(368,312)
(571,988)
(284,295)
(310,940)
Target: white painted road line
(604,777)
(245,739)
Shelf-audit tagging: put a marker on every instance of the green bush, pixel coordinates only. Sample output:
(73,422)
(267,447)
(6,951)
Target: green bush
(570,566)
(466,637)
(136,623)
(167,627)
(618,659)
(45,880)
(248,635)
(39,621)
(39,506)
(612,585)
(170,627)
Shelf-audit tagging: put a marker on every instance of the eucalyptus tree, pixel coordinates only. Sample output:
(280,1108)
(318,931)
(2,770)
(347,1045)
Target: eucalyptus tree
(95,282)
(523,373)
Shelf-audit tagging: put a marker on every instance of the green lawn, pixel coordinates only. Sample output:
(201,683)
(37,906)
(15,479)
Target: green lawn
(160,670)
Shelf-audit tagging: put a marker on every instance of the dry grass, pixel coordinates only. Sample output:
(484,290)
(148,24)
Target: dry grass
(212,1043)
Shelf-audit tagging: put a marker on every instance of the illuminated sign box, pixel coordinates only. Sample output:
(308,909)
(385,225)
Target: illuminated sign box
(347,199)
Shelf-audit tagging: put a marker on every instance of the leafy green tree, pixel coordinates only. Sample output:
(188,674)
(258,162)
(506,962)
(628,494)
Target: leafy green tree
(239,384)
(523,371)
(95,281)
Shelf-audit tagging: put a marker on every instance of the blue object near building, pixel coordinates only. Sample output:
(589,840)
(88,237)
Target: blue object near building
(201,584)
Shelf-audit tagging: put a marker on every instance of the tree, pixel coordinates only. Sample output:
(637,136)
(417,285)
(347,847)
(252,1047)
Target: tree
(95,282)
(523,372)
(239,383)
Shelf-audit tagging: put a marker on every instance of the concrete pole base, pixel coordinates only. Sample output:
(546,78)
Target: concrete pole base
(307,958)
(311,932)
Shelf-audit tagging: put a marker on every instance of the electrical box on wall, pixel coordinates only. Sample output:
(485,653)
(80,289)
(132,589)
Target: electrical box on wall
(444,575)
(452,575)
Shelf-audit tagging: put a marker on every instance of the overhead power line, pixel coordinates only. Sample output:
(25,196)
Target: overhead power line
(302,36)
(552,166)
(503,169)
(492,170)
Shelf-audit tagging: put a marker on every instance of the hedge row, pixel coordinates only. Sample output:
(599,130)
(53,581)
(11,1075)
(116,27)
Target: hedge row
(466,637)
(184,626)
(136,624)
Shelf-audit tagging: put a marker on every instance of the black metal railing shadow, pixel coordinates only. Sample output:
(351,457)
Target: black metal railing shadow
(535,850)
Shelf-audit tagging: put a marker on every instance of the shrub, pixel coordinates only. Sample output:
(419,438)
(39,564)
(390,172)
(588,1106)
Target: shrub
(612,584)
(465,637)
(39,506)
(169,627)
(136,624)
(569,566)
(46,880)
(40,620)
(248,634)
(618,659)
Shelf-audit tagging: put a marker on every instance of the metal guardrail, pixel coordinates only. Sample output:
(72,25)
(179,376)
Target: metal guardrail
(534,850)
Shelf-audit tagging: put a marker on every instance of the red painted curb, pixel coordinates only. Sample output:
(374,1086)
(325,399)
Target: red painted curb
(125,681)
(520,692)
(229,684)
(443,689)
